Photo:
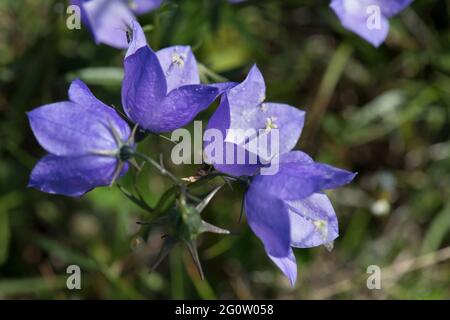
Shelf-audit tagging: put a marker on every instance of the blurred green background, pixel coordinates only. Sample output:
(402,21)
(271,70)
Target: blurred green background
(382,112)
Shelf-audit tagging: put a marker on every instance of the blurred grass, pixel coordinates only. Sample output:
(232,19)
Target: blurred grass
(382,112)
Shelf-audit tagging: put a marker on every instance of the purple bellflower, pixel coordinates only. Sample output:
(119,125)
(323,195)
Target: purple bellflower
(161,91)
(285,209)
(109,20)
(243,109)
(288,209)
(368,18)
(89,144)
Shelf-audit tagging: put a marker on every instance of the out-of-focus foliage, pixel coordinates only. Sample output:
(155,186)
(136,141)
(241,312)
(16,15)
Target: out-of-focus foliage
(382,112)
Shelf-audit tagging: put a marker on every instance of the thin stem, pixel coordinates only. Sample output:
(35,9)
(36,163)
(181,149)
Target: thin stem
(162,170)
(163,137)
(210,74)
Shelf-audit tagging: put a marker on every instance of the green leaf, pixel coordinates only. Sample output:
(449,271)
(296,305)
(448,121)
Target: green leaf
(7,202)
(437,231)
(166,201)
(4,235)
(138,201)
(66,254)
(12,287)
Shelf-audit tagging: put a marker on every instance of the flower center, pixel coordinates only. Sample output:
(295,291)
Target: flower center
(178,60)
(321,225)
(270,124)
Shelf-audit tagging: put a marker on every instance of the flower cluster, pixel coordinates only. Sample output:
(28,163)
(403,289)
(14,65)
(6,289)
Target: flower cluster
(92,145)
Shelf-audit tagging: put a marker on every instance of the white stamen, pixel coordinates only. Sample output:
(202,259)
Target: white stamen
(178,60)
(270,124)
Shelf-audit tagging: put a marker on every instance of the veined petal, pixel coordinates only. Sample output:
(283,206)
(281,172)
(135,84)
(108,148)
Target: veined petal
(109,21)
(73,176)
(179,65)
(297,181)
(354,17)
(313,221)
(249,93)
(67,128)
(268,217)
(287,265)
(80,94)
(393,7)
(220,120)
(144,86)
(298,157)
(262,128)
(289,122)
(180,107)
(138,39)
(223,86)
(143,6)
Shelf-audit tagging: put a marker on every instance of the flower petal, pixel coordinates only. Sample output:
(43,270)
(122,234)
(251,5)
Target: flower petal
(138,39)
(246,126)
(223,86)
(143,6)
(109,20)
(288,120)
(393,7)
(144,86)
(295,181)
(180,107)
(268,217)
(179,65)
(250,93)
(72,176)
(287,265)
(313,221)
(220,120)
(298,157)
(80,94)
(354,17)
(248,113)
(67,128)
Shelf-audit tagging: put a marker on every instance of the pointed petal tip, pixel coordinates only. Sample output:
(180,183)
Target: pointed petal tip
(352,176)
(293,280)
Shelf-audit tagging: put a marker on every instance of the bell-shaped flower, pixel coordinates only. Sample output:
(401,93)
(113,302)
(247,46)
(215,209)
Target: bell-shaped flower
(246,123)
(161,91)
(109,20)
(288,209)
(89,144)
(368,18)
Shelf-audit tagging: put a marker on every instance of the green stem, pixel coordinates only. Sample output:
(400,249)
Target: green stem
(162,171)
(210,74)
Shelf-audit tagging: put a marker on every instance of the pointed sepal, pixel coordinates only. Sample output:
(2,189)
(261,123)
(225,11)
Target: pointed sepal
(208,227)
(192,246)
(167,246)
(202,205)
